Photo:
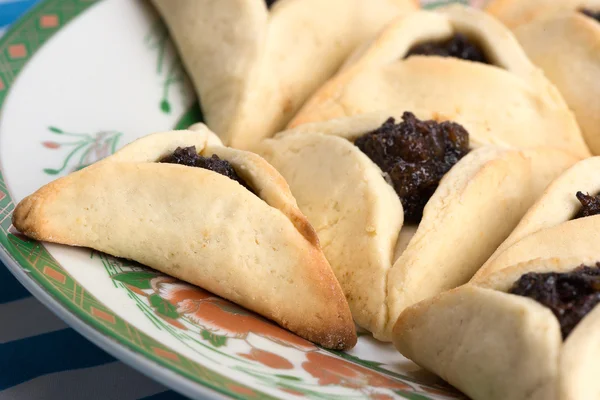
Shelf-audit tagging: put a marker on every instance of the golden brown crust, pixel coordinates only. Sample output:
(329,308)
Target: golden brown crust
(28,215)
(163,216)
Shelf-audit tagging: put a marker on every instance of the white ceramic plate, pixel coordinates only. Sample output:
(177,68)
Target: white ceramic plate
(79,79)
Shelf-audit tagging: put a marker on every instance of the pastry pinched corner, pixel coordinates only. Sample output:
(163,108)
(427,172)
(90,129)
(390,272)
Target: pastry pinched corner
(561,38)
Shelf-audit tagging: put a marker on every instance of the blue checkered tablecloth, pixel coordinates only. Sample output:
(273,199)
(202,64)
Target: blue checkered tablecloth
(40,356)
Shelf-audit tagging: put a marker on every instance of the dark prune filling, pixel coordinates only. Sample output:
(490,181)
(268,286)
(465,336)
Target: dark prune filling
(188,156)
(270,3)
(414,156)
(590,205)
(591,13)
(458,46)
(570,295)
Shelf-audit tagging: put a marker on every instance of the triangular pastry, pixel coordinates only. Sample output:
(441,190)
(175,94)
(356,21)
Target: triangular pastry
(253,63)
(236,232)
(562,38)
(458,64)
(394,233)
(528,332)
(508,334)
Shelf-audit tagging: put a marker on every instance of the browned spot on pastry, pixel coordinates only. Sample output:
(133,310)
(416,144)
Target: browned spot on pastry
(591,13)
(188,156)
(441,117)
(590,205)
(570,295)
(270,3)
(288,106)
(458,46)
(414,156)
(305,228)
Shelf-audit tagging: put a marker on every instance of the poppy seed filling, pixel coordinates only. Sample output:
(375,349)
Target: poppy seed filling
(590,205)
(414,155)
(569,295)
(590,13)
(189,157)
(458,46)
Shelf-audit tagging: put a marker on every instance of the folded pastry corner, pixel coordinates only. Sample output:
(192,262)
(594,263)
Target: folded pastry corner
(564,46)
(406,210)
(219,218)
(562,222)
(514,13)
(527,332)
(254,62)
(476,206)
(441,64)
(561,38)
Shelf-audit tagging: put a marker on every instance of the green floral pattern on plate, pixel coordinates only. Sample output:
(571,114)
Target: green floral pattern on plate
(82,149)
(168,69)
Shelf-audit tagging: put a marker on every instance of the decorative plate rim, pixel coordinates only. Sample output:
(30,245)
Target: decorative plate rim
(123,353)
